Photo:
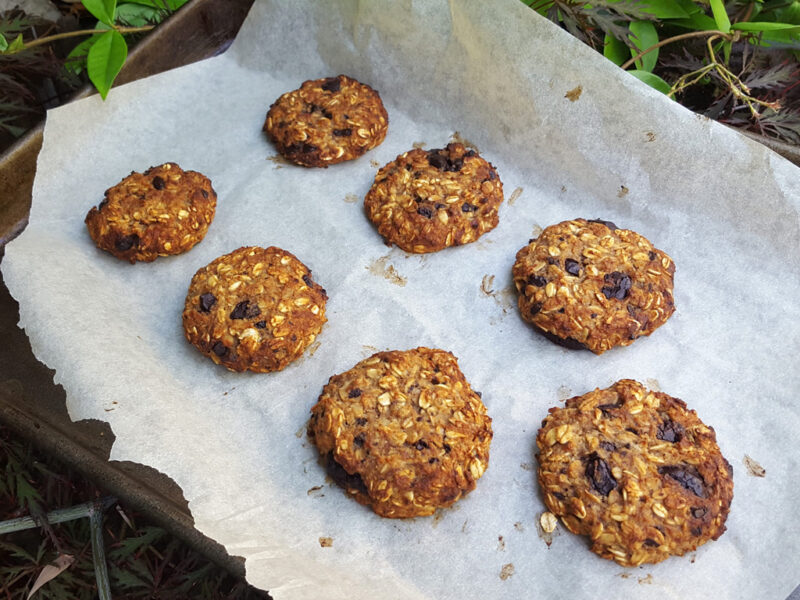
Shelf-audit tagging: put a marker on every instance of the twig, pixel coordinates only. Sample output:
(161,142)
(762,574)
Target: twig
(68,34)
(675,38)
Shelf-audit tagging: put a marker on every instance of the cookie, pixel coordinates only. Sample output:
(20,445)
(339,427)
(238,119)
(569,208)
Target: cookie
(160,212)
(593,285)
(327,121)
(636,471)
(403,432)
(425,201)
(254,309)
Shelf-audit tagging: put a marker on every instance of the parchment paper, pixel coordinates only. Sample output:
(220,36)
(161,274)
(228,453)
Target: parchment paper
(723,207)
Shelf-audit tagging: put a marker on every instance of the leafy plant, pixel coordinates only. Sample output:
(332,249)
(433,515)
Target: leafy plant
(105,51)
(144,561)
(742,54)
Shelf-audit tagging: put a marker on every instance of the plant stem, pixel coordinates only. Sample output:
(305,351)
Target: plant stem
(68,34)
(56,516)
(98,551)
(674,38)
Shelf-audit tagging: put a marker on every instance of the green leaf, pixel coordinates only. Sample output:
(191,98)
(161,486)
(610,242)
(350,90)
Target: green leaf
(664,9)
(129,546)
(720,15)
(696,22)
(175,4)
(105,60)
(689,7)
(654,81)
(615,50)
(103,10)
(644,35)
(138,15)
(15,46)
(762,26)
(3,43)
(75,62)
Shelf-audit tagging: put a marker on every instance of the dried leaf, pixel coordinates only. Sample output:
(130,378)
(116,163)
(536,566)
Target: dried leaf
(51,571)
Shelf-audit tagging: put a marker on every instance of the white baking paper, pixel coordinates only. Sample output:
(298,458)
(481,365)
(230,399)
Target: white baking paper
(725,208)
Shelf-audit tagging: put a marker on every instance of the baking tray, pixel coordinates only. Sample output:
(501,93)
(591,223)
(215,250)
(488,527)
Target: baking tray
(31,404)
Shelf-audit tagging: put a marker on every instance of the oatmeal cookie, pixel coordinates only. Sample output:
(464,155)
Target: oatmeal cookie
(591,284)
(636,471)
(425,201)
(403,432)
(163,211)
(327,121)
(254,309)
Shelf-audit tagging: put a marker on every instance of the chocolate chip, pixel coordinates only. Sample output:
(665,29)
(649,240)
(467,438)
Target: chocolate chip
(343,478)
(307,280)
(433,460)
(537,280)
(632,430)
(439,206)
(605,408)
(359,439)
(599,474)
(698,512)
(435,381)
(687,476)
(332,84)
(301,148)
(447,448)
(327,115)
(421,445)
(535,308)
(102,204)
(361,421)
(670,431)
(205,193)
(467,207)
(425,211)
(608,446)
(573,267)
(469,153)
(245,310)
(126,242)
(477,393)
(437,160)
(651,542)
(344,133)
(158,183)
(559,495)
(651,255)
(492,175)
(696,531)
(551,261)
(219,349)
(354,393)
(454,165)
(417,199)
(608,224)
(207,300)
(260,325)
(619,284)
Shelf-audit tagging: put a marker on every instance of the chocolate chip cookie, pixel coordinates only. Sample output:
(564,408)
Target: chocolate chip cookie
(163,211)
(254,309)
(403,432)
(593,285)
(636,471)
(425,201)
(327,121)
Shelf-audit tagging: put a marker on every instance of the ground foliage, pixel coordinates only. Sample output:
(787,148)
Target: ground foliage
(144,561)
(737,62)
